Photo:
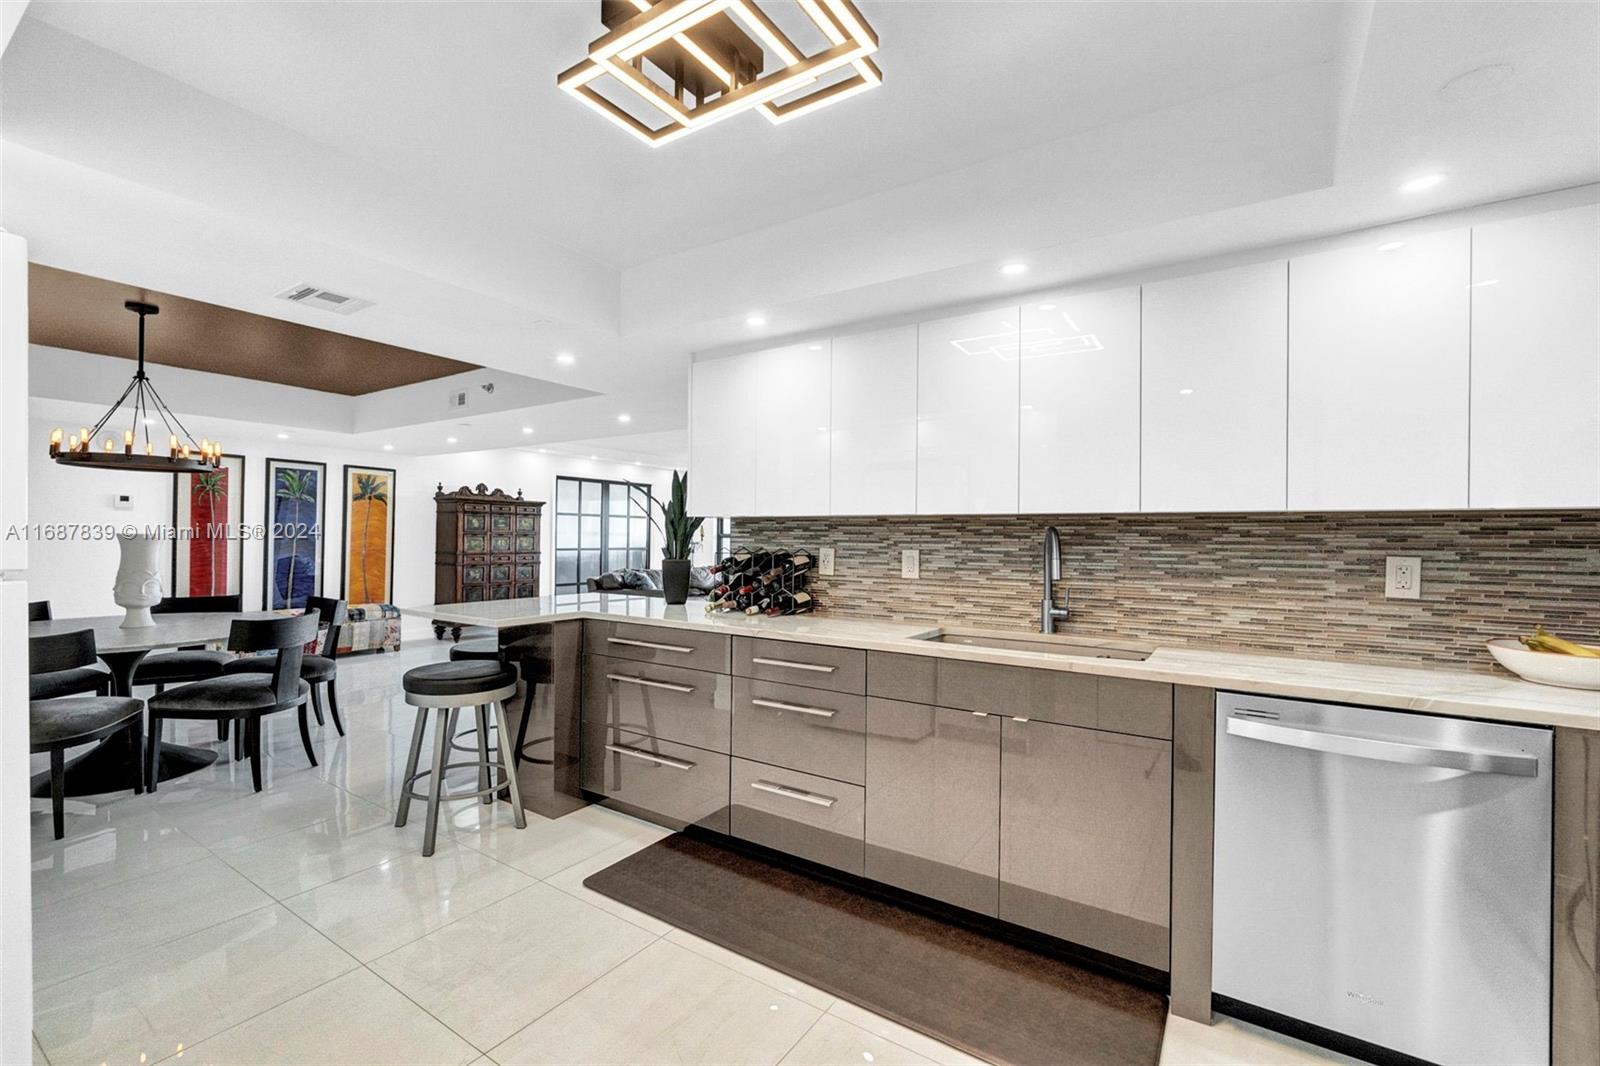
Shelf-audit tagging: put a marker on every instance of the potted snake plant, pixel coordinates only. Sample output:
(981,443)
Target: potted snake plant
(677,528)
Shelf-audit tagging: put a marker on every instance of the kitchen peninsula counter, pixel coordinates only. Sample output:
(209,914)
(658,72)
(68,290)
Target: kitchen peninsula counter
(1435,691)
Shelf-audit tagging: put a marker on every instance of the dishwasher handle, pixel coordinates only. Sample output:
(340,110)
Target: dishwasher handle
(1481,762)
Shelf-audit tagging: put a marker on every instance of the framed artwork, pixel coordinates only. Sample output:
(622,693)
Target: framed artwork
(208,517)
(296,514)
(368,559)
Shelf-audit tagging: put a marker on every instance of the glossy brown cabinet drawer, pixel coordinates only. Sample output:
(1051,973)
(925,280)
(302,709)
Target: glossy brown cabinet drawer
(793,663)
(807,729)
(658,644)
(1121,705)
(675,784)
(686,706)
(815,818)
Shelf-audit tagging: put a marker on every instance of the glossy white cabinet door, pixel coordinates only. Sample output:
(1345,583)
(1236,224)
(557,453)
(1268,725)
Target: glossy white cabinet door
(722,443)
(967,414)
(1213,393)
(1536,361)
(1378,372)
(791,430)
(874,450)
(1080,403)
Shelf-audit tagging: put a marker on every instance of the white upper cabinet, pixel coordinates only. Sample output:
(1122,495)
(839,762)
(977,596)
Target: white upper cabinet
(1213,392)
(791,430)
(874,450)
(967,414)
(1378,375)
(722,446)
(1080,403)
(1536,361)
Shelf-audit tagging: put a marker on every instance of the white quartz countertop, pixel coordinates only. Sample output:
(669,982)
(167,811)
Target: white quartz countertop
(1467,695)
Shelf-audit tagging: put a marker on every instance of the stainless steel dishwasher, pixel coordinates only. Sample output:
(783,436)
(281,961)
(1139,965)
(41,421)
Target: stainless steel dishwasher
(1386,876)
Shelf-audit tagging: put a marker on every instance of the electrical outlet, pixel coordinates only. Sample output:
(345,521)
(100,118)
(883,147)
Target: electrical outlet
(910,563)
(122,503)
(1402,577)
(825,562)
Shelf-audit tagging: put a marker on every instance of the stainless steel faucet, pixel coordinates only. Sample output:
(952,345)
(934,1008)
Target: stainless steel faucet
(1049,613)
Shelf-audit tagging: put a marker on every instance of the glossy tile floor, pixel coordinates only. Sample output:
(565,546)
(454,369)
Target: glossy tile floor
(298,926)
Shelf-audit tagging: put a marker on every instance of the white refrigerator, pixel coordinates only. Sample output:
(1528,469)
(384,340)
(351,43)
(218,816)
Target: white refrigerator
(16,918)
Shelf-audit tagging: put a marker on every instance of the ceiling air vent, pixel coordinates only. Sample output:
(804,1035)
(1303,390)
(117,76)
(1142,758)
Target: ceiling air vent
(457,400)
(312,296)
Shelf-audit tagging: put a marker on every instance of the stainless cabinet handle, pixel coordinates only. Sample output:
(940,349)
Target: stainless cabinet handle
(793,793)
(647,683)
(679,648)
(659,760)
(817,667)
(1482,762)
(818,712)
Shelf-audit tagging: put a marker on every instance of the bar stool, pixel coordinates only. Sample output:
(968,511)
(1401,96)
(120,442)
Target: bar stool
(533,669)
(447,688)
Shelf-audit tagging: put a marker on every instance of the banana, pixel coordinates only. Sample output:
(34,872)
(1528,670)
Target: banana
(1548,642)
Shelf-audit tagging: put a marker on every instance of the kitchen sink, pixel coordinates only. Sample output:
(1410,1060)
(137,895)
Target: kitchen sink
(1040,643)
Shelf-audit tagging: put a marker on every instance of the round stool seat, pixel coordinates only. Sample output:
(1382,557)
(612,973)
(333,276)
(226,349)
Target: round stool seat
(464,678)
(484,648)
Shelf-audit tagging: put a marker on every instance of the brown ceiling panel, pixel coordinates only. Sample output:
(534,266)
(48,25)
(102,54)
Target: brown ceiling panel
(67,310)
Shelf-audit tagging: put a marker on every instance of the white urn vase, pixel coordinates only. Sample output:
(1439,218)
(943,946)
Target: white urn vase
(138,586)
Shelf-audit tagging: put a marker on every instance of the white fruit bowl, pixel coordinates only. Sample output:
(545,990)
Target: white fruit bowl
(1546,668)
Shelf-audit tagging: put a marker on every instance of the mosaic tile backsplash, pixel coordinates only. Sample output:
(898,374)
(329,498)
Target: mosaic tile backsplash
(1300,584)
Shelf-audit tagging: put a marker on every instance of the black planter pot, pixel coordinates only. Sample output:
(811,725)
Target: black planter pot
(675,580)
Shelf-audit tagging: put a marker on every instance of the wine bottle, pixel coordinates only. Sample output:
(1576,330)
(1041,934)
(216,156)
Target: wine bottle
(786,602)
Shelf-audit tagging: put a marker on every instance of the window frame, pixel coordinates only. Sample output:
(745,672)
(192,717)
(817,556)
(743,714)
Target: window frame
(609,489)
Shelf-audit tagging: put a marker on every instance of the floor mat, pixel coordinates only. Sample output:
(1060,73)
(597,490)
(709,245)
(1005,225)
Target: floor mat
(993,999)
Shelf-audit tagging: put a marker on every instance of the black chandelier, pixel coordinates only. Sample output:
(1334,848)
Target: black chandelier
(180,454)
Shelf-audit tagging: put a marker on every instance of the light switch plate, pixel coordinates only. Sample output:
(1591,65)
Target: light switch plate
(825,562)
(910,563)
(1402,577)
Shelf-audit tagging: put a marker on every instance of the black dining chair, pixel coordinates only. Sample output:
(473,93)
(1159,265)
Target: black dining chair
(47,683)
(244,698)
(54,725)
(191,663)
(321,668)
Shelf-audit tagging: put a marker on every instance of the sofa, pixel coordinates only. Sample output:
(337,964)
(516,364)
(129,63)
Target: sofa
(648,582)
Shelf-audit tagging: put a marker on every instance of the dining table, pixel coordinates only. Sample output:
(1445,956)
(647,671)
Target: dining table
(110,767)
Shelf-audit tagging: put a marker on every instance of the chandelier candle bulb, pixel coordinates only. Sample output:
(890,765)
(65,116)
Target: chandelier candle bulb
(172,446)
(127,442)
(55,443)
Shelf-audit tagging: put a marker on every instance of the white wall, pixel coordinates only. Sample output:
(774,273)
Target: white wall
(76,575)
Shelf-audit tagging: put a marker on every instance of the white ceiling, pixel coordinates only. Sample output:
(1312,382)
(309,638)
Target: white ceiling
(418,154)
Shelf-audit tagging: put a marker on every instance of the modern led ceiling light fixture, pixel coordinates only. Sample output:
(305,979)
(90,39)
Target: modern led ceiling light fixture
(179,454)
(695,62)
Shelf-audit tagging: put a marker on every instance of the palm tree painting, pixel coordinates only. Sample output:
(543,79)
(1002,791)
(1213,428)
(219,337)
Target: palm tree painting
(208,515)
(294,506)
(368,533)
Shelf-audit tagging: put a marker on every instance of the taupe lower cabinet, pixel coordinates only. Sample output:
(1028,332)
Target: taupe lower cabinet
(933,802)
(1085,833)
(1040,797)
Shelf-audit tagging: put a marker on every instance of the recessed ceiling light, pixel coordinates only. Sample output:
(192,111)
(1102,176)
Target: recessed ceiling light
(1422,182)
(1389,246)
(283,436)
(816,347)
(527,429)
(450,440)
(566,358)
(1185,392)
(149,421)
(1047,307)
(388,447)
(1011,270)
(624,418)
(594,458)
(755,320)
